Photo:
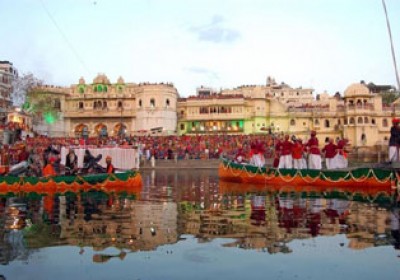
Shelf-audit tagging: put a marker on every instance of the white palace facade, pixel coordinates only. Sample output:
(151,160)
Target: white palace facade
(102,107)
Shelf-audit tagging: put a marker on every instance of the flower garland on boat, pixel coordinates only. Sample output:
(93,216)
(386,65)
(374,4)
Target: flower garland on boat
(252,171)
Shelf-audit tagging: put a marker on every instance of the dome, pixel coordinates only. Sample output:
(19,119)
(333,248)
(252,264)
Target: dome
(120,80)
(101,79)
(355,90)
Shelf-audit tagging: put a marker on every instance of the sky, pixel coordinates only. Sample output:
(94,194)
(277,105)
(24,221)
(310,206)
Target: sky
(321,44)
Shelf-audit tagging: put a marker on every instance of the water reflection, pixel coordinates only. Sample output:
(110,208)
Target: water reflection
(174,204)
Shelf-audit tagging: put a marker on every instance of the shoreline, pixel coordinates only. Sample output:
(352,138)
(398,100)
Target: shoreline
(181,164)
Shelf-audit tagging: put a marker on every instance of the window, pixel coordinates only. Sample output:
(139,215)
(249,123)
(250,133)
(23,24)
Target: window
(80,105)
(104,104)
(182,126)
(81,90)
(373,121)
(352,121)
(316,122)
(167,103)
(359,120)
(292,122)
(385,123)
(119,104)
(140,103)
(327,123)
(152,103)
(57,103)
(366,120)
(363,139)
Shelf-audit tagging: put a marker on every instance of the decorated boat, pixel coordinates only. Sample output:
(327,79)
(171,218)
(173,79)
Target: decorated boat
(124,181)
(384,179)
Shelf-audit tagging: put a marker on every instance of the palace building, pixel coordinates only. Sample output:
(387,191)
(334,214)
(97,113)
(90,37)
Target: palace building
(115,109)
(359,115)
(103,108)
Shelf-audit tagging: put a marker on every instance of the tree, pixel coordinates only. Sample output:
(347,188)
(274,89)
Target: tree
(389,96)
(21,86)
(43,105)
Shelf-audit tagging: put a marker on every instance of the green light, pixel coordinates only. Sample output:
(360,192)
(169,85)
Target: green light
(49,117)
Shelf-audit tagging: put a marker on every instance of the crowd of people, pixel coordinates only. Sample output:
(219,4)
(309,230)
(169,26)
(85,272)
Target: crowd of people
(291,152)
(41,156)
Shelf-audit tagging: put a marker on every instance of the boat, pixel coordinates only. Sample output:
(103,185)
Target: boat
(123,181)
(365,178)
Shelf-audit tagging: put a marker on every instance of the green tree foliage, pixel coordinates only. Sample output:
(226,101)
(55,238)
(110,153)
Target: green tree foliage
(389,96)
(43,105)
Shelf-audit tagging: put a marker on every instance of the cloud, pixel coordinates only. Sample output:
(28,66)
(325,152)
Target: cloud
(215,32)
(211,75)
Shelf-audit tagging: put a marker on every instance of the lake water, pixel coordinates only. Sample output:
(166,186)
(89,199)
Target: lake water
(188,225)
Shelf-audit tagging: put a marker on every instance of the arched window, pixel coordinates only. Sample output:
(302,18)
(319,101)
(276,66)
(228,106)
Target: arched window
(345,121)
(99,88)
(182,126)
(363,139)
(81,90)
(104,104)
(152,103)
(352,120)
(385,123)
(140,103)
(316,122)
(167,103)
(119,104)
(360,120)
(94,105)
(366,120)
(80,105)
(105,88)
(373,121)
(99,104)
(292,122)
(327,123)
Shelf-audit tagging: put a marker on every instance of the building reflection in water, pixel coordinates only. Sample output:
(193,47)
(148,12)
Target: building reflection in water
(173,204)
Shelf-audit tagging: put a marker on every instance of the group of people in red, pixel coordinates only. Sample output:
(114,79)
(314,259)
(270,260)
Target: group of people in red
(293,153)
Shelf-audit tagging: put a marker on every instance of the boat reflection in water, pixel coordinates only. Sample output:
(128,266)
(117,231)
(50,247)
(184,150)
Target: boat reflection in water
(172,205)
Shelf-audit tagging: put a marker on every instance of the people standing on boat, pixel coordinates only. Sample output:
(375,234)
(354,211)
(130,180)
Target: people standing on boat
(110,167)
(341,155)
(240,156)
(394,141)
(297,154)
(71,162)
(49,170)
(275,162)
(35,164)
(285,151)
(257,154)
(330,151)
(314,153)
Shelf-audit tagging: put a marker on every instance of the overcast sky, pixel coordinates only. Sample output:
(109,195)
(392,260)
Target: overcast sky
(322,44)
